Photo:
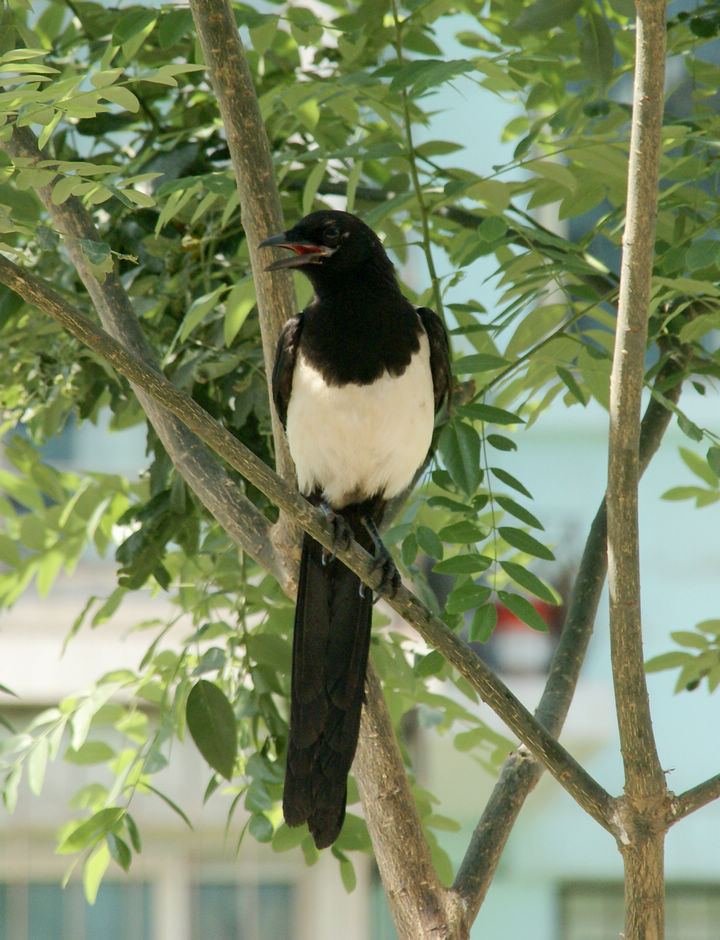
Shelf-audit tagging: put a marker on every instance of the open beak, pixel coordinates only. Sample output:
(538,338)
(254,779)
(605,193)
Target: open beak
(304,252)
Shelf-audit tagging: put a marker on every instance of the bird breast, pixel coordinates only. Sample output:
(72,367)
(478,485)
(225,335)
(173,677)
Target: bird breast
(353,442)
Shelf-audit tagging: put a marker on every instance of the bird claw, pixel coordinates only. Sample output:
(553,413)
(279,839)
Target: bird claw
(342,533)
(383,563)
(390,576)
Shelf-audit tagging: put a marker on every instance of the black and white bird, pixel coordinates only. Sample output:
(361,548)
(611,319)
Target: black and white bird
(359,376)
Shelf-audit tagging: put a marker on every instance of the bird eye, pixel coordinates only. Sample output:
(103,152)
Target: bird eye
(331,234)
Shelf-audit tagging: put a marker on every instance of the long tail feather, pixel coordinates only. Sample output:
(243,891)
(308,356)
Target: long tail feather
(330,653)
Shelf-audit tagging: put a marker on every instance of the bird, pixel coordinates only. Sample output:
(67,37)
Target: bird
(359,376)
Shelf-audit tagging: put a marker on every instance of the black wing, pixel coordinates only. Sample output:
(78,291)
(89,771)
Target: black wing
(439,356)
(285,356)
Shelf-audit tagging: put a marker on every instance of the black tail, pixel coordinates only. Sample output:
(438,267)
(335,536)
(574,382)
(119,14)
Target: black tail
(330,653)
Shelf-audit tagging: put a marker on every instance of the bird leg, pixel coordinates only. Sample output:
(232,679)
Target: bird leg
(383,561)
(342,532)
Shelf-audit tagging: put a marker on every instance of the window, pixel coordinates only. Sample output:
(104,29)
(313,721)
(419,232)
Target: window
(45,911)
(241,912)
(596,912)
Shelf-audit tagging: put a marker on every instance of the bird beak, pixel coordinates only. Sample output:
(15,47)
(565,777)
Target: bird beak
(304,252)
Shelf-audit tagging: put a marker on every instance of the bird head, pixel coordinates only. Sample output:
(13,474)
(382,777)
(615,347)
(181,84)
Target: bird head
(329,244)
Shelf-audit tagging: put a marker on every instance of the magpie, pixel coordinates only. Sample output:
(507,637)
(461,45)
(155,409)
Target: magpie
(358,377)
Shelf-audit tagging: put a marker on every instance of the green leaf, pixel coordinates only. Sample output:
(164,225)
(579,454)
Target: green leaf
(423,74)
(211,720)
(525,542)
(520,512)
(240,301)
(90,831)
(347,873)
(597,49)
(570,382)
(429,541)
(500,442)
(173,806)
(260,827)
(483,623)
(131,23)
(702,254)
(688,638)
(198,310)
(122,96)
(700,467)
(523,610)
(467,597)
(119,850)
(709,626)
(463,532)
(688,428)
(684,492)
(133,832)
(36,765)
(670,660)
(311,185)
(102,79)
(97,253)
(174,25)
(91,752)
(713,459)
(459,446)
(544,14)
(478,362)
(468,563)
(430,665)
(526,579)
(269,648)
(510,480)
(93,870)
(490,413)
(10,788)
(286,837)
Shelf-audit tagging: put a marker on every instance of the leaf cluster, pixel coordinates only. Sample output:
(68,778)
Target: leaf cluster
(130,128)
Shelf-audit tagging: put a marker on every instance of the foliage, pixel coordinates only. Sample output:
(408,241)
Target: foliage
(122,105)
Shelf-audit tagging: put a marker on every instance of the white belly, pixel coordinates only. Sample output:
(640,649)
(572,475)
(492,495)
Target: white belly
(354,441)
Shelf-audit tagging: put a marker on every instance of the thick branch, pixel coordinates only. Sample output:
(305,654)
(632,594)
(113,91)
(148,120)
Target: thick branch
(644,779)
(591,796)
(419,904)
(643,811)
(254,175)
(244,522)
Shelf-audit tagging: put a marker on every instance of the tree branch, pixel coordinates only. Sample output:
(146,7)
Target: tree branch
(245,524)
(694,798)
(642,814)
(254,176)
(591,796)
(644,779)
(419,903)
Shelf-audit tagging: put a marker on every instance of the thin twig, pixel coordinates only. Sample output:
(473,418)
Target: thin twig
(694,798)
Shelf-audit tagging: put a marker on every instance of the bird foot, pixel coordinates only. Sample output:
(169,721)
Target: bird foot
(342,533)
(386,567)
(383,563)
